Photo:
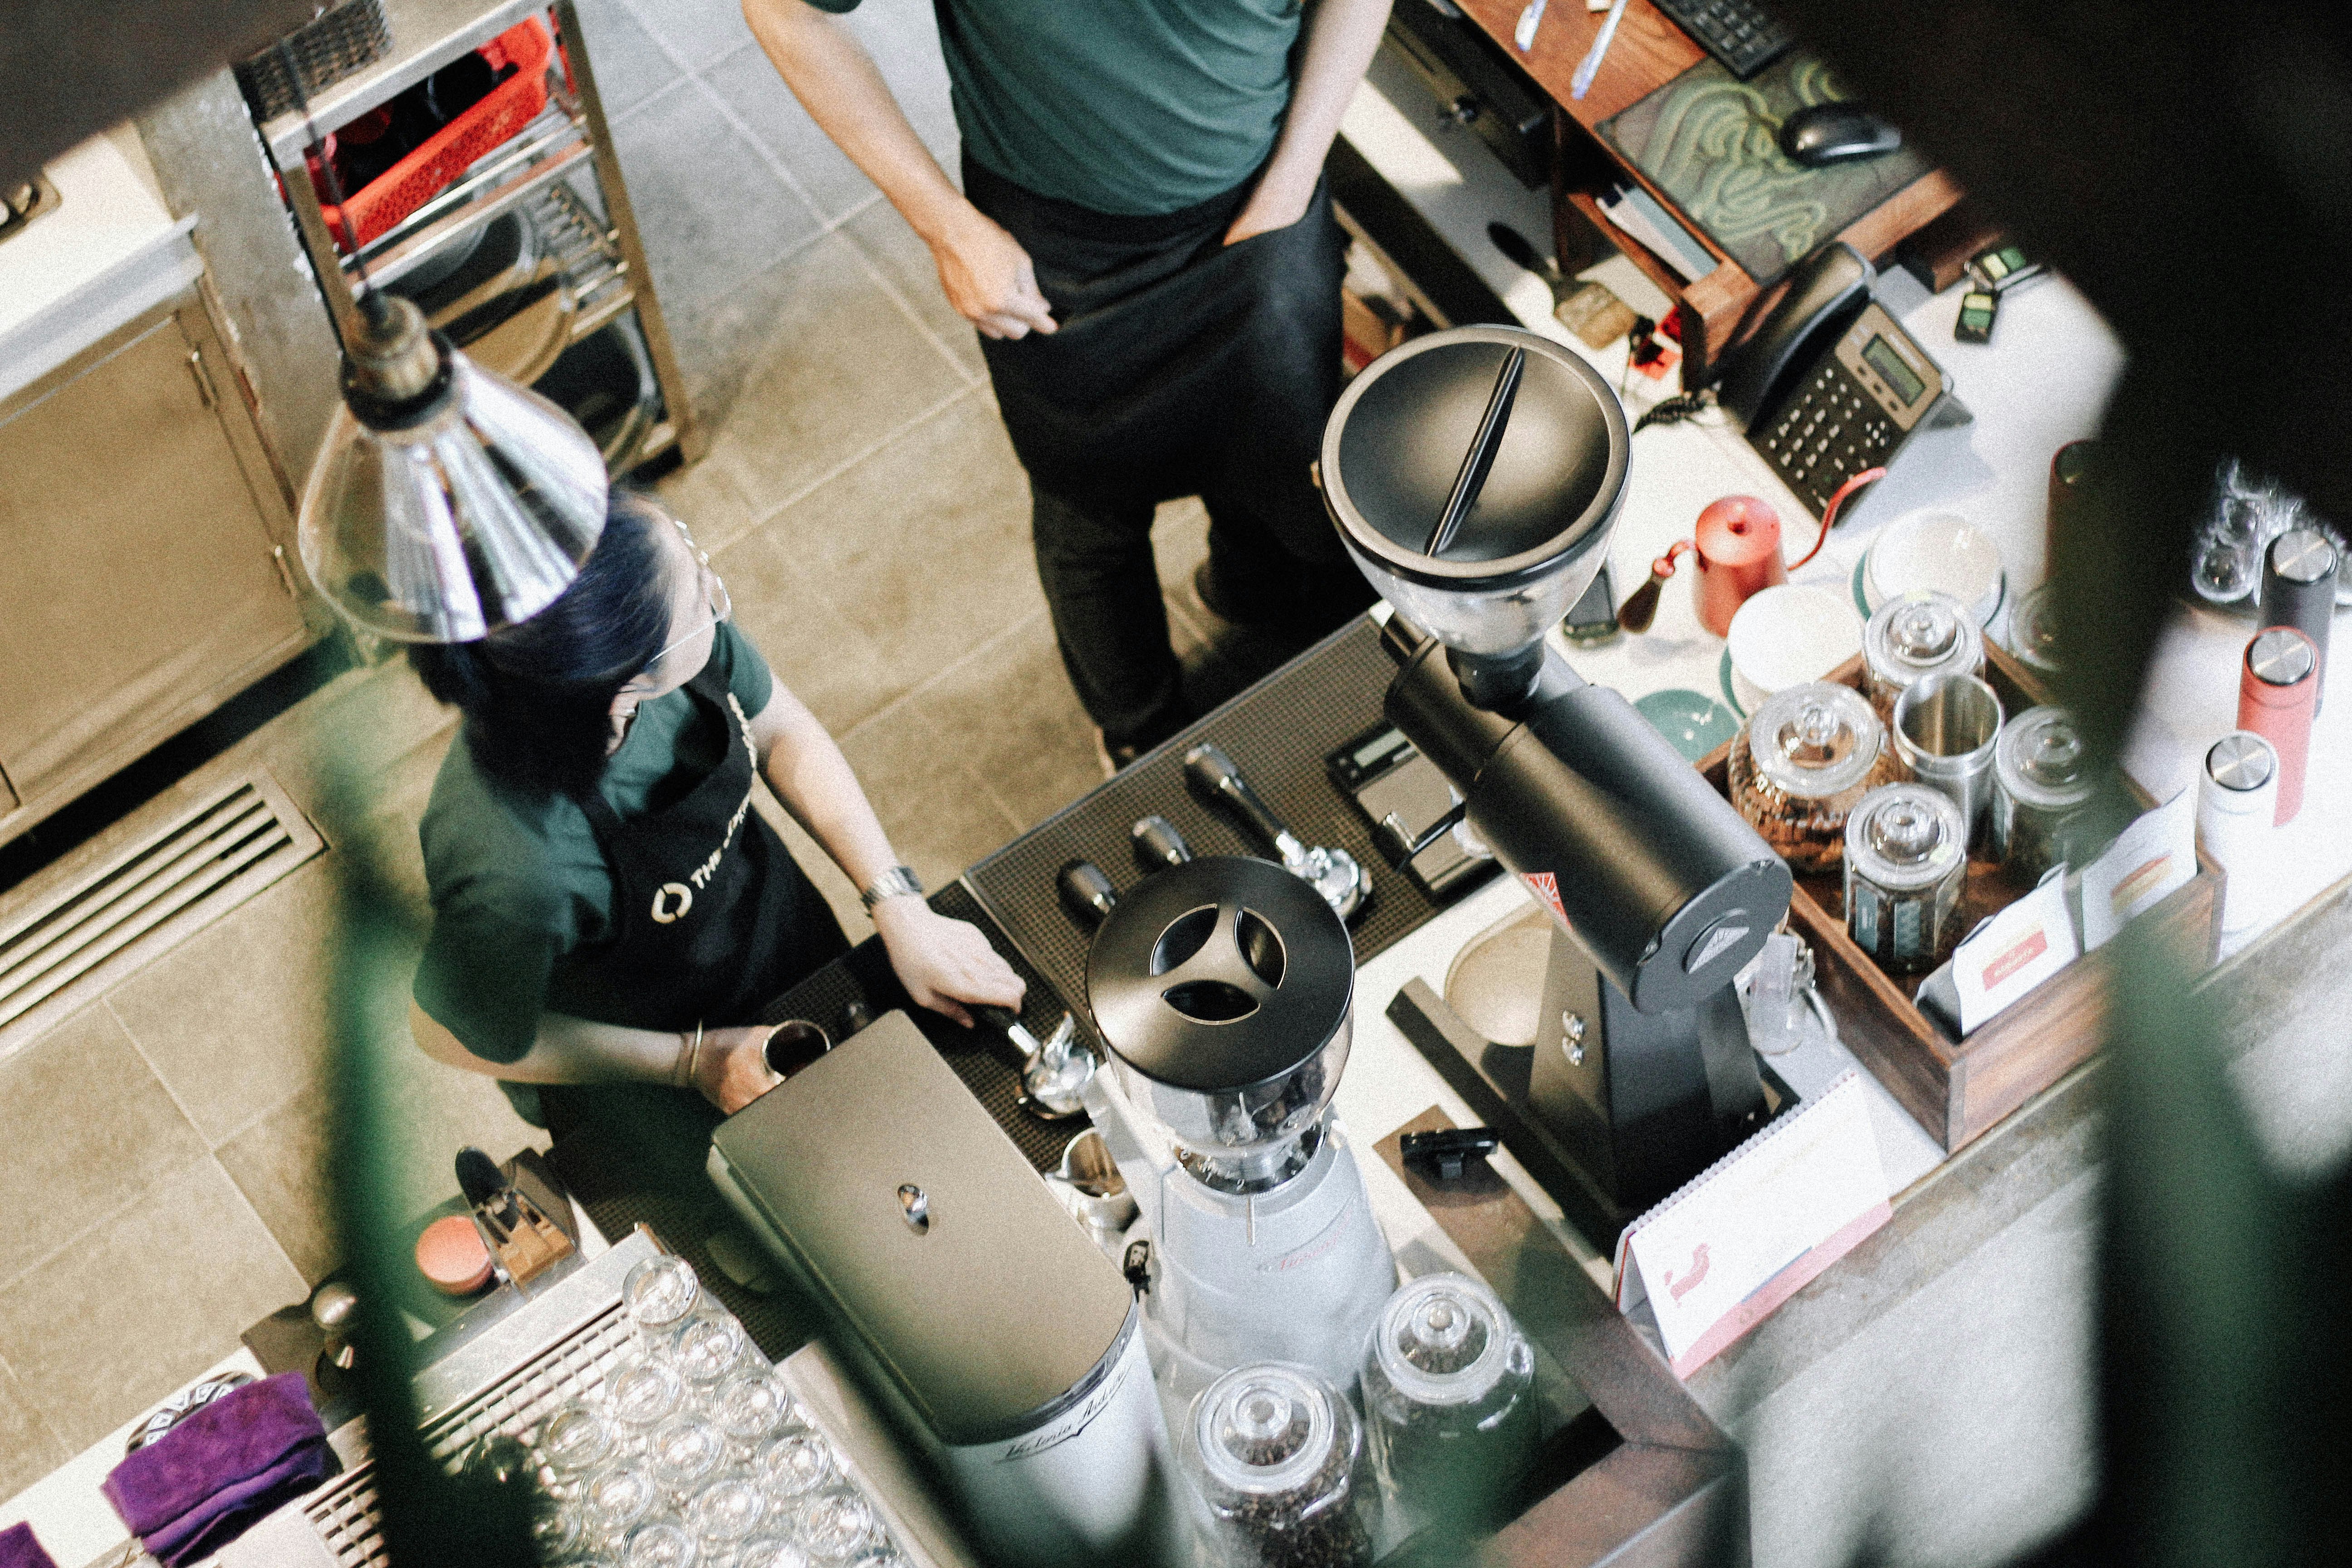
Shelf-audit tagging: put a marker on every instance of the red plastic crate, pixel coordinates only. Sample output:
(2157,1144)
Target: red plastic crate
(417,179)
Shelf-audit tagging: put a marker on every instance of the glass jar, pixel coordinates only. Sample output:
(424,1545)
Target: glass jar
(1276,1455)
(2034,629)
(1808,755)
(1449,1399)
(1914,636)
(2043,779)
(1906,859)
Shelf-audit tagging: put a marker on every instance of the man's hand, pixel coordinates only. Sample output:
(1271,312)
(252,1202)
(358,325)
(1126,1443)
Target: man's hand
(943,963)
(989,278)
(1279,201)
(732,1069)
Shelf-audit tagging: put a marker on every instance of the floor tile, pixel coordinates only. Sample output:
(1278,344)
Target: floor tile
(87,1124)
(365,721)
(924,545)
(28,1450)
(114,1323)
(906,264)
(630,66)
(708,502)
(233,1020)
(938,814)
(751,86)
(698,31)
(811,646)
(279,1163)
(830,369)
(1007,712)
(711,211)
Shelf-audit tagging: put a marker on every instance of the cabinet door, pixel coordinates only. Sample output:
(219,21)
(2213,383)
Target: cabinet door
(137,584)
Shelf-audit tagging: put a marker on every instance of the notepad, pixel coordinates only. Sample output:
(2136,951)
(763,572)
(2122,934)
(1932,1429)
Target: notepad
(1753,1229)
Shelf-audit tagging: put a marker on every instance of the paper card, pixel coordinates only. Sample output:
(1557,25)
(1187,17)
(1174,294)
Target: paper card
(1718,1257)
(2011,952)
(2155,855)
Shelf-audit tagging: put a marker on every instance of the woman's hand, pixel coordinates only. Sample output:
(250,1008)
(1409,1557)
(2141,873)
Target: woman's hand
(732,1068)
(1278,201)
(943,963)
(989,278)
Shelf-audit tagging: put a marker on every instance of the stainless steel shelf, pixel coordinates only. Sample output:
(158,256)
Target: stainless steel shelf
(425,36)
(547,148)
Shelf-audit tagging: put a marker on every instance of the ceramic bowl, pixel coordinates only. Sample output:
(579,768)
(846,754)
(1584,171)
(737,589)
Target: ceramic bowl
(1787,635)
(1939,551)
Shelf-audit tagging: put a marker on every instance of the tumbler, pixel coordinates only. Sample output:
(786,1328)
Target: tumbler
(2278,690)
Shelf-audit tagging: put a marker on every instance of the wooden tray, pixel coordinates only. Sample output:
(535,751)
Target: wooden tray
(1959,1089)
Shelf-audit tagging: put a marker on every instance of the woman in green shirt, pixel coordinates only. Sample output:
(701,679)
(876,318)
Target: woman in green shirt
(607,907)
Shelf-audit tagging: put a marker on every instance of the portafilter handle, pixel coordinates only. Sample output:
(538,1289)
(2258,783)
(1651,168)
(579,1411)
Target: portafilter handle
(1214,772)
(1157,844)
(1085,892)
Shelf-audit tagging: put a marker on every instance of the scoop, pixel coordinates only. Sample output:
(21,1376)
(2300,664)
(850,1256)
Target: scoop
(1054,1072)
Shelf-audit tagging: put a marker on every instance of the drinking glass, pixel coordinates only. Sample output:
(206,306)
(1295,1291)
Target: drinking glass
(771,1551)
(708,1349)
(576,1440)
(660,1295)
(794,1465)
(750,1406)
(728,1509)
(663,1543)
(685,1453)
(641,1396)
(837,1526)
(617,1500)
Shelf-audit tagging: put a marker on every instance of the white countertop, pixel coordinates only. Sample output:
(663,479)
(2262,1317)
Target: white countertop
(111,251)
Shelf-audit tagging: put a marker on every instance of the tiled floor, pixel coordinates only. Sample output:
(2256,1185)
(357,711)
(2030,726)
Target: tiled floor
(160,1187)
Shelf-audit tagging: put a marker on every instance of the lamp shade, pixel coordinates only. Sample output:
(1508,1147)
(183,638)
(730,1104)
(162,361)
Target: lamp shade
(447,502)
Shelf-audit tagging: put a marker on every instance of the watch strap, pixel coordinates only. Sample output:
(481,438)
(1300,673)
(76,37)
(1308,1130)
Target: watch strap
(899,881)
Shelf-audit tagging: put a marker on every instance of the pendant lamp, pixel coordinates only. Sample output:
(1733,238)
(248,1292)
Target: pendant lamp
(447,502)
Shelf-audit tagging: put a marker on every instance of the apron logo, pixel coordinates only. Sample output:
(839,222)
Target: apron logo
(665,912)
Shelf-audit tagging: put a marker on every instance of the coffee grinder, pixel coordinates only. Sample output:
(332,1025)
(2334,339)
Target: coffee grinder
(1223,986)
(1475,474)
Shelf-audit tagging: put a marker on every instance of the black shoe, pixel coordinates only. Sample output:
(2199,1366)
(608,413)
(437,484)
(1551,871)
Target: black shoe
(1114,759)
(1222,605)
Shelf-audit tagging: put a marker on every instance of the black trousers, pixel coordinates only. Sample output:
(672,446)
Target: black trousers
(1182,366)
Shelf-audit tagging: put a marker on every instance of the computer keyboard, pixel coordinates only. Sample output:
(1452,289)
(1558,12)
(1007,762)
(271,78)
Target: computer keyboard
(1740,33)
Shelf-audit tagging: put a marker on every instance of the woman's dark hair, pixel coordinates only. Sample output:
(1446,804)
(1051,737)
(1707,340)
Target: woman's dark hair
(538,695)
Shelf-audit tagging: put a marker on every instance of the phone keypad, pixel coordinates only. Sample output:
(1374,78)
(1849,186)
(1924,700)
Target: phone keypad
(1829,431)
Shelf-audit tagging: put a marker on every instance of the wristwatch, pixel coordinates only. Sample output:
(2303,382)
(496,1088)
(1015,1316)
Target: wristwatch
(897,882)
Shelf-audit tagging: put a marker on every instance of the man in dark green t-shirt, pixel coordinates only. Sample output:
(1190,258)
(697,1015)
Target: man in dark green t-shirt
(1143,240)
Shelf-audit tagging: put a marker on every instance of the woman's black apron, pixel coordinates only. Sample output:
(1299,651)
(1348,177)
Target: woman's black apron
(712,921)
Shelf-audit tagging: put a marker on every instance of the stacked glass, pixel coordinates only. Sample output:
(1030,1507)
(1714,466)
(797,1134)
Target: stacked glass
(694,1455)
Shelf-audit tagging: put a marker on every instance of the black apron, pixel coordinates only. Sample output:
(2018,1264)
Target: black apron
(712,919)
(1181,365)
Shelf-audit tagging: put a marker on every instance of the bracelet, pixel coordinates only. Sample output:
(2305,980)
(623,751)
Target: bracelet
(689,1055)
(897,882)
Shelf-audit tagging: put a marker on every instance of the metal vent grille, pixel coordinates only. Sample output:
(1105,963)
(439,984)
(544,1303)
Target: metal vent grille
(346,1514)
(79,939)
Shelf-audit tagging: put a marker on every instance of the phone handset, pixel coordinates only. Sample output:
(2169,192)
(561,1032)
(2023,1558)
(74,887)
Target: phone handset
(1828,291)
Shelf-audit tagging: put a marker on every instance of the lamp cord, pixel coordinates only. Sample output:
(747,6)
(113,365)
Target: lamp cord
(372,305)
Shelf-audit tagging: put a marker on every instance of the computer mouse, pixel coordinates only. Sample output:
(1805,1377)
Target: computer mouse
(1836,132)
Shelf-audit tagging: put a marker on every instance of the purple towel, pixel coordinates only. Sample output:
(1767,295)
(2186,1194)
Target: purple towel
(227,1465)
(19,1550)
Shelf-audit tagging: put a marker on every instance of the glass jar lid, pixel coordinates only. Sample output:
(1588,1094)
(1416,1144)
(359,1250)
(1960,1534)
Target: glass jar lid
(1921,632)
(1815,739)
(1905,835)
(1443,1339)
(1267,1428)
(2041,761)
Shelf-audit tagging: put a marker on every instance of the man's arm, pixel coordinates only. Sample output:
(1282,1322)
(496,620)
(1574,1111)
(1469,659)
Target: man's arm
(989,278)
(1340,38)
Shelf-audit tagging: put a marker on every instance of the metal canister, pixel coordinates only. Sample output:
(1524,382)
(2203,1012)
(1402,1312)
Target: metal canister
(2278,692)
(2034,629)
(1807,757)
(1905,858)
(2237,799)
(1915,636)
(2044,778)
(2299,576)
(1944,729)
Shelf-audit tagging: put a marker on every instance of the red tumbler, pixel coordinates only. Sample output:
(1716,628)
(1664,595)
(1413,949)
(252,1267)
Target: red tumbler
(2278,691)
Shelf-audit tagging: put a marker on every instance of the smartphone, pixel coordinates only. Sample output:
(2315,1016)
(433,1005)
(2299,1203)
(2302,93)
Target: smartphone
(1977,311)
(1592,619)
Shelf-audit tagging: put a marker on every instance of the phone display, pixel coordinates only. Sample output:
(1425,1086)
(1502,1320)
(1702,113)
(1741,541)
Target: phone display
(1386,775)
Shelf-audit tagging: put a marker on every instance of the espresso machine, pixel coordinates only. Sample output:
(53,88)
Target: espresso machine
(1223,986)
(1475,474)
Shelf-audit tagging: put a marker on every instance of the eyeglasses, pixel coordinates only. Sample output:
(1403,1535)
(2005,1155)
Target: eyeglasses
(721,606)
